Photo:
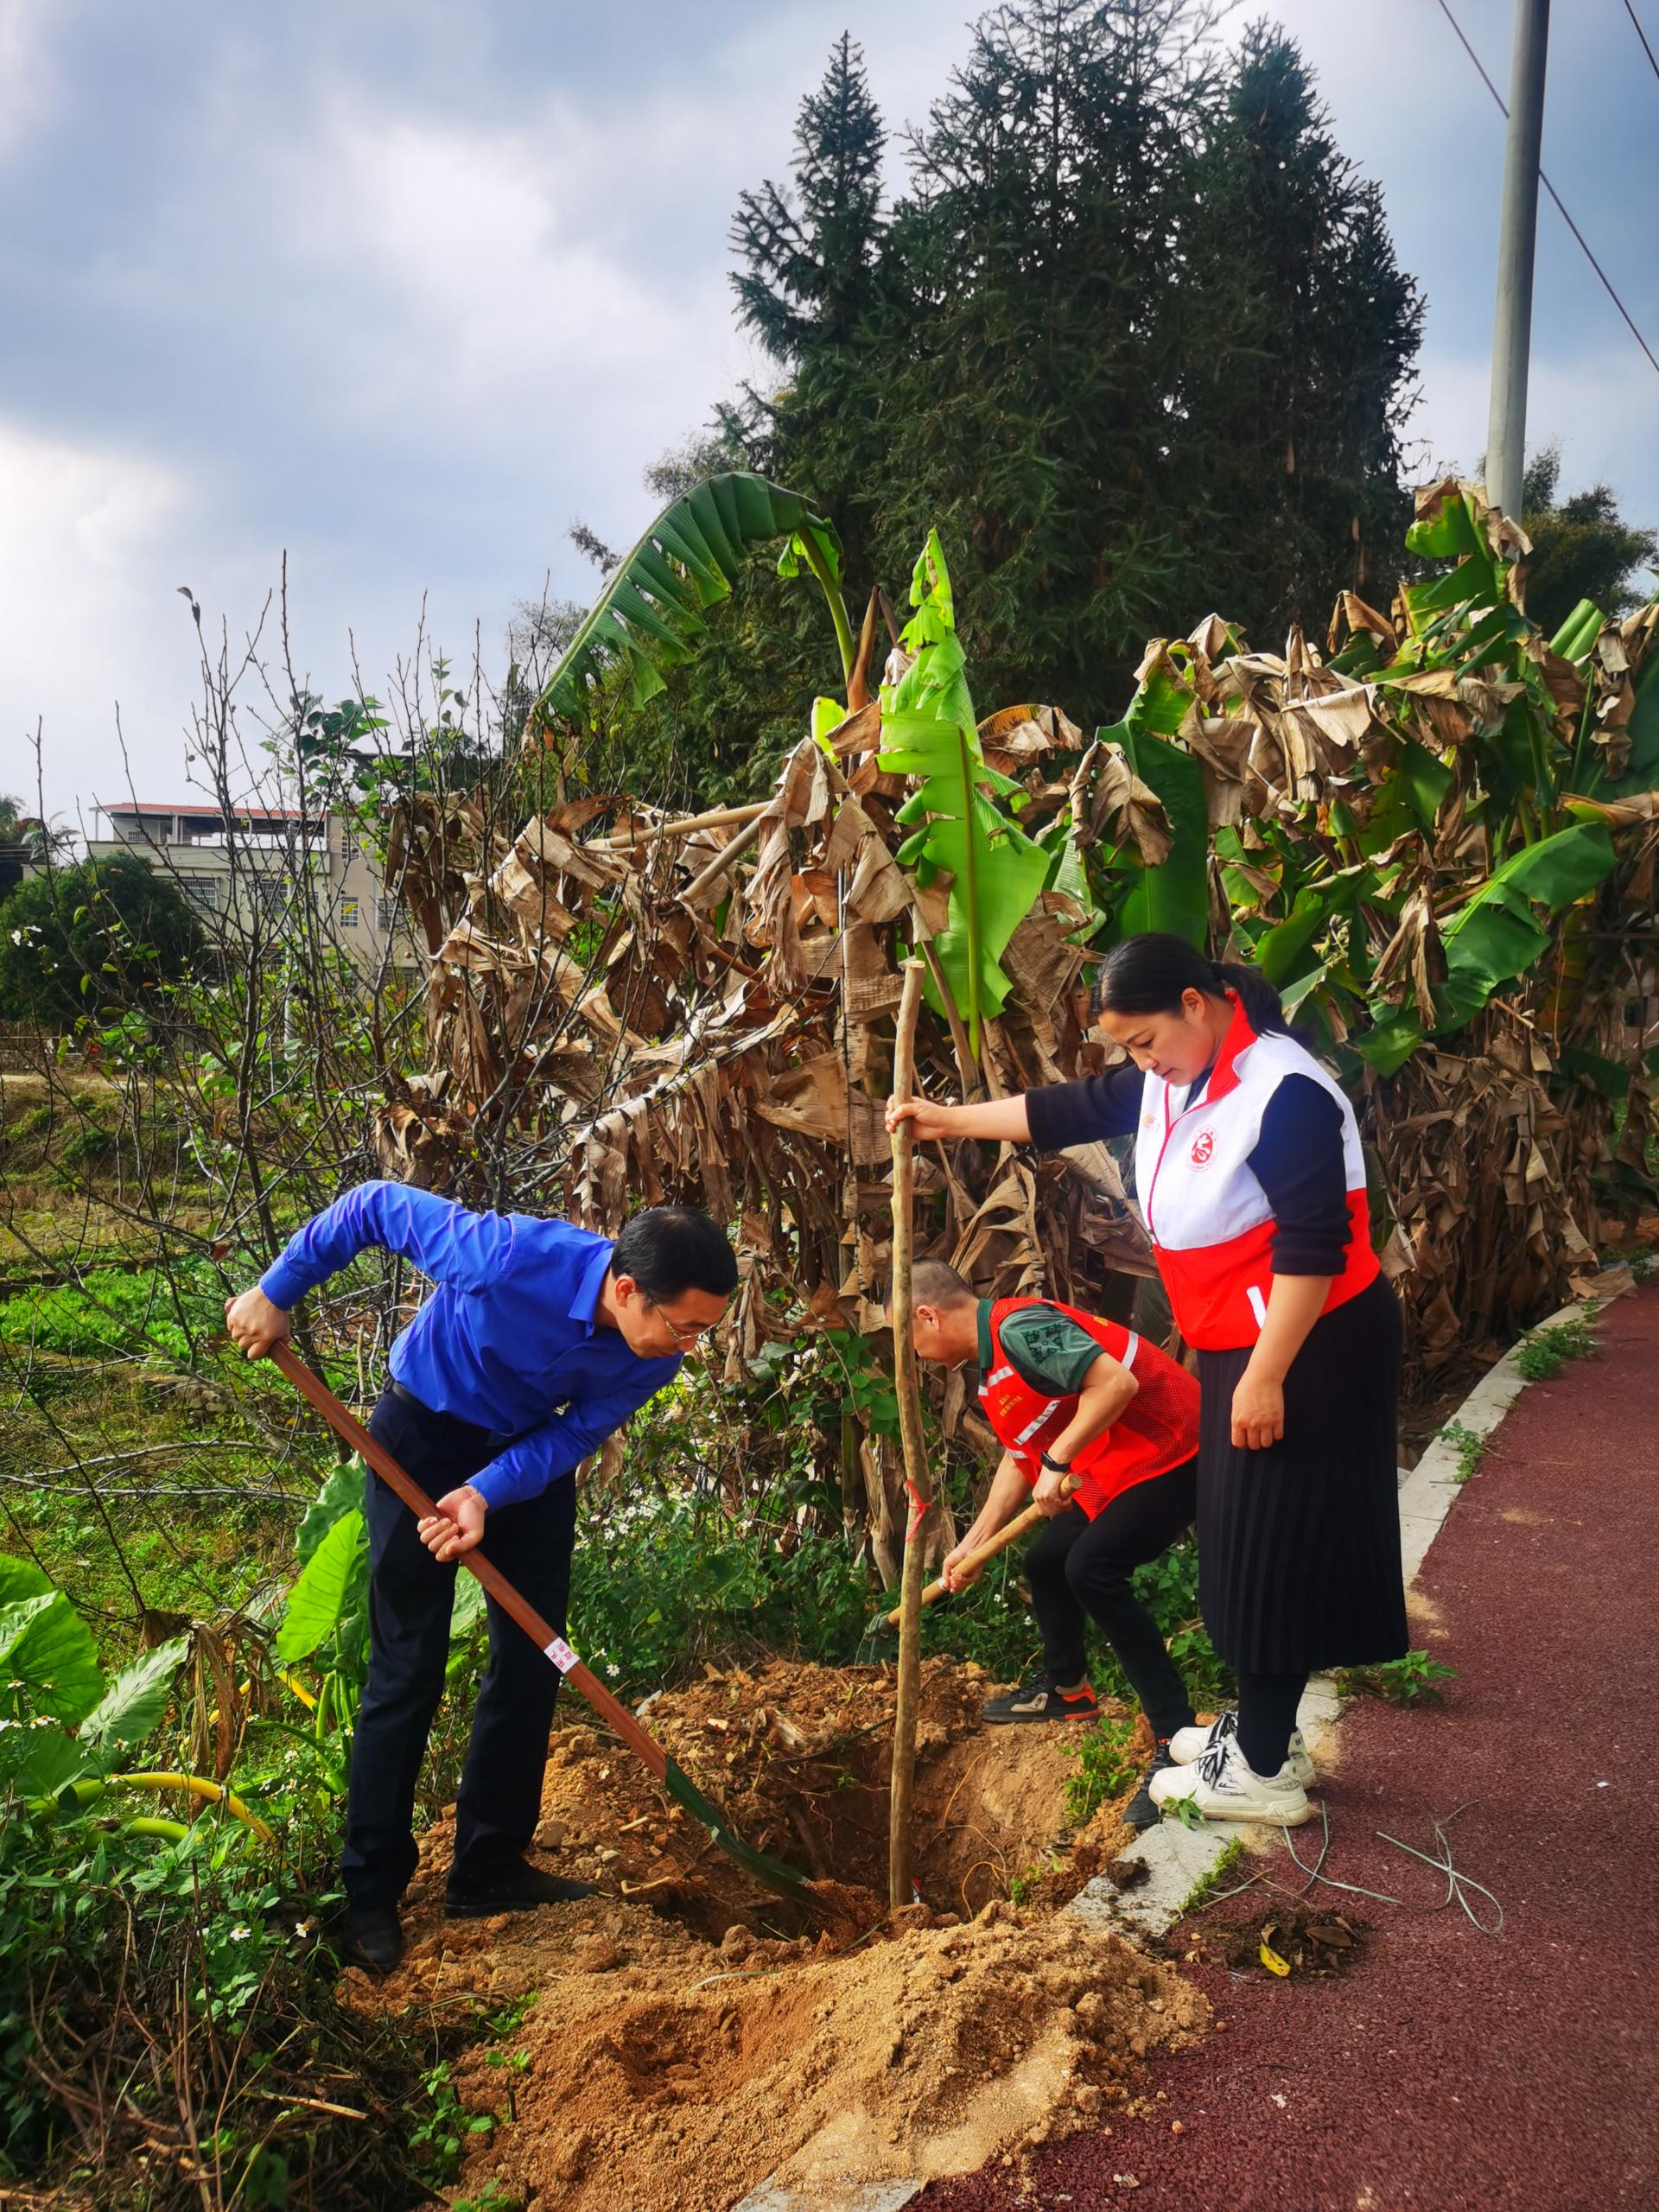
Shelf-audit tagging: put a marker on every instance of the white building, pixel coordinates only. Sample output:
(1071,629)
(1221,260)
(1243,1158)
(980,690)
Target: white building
(261,854)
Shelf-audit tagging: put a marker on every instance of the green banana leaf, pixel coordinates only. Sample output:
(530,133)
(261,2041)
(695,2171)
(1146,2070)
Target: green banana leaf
(330,1587)
(1174,896)
(649,618)
(928,730)
(1497,937)
(1641,771)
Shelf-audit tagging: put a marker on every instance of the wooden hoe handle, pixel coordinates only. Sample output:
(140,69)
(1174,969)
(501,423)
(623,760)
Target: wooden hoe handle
(1005,1536)
(540,1632)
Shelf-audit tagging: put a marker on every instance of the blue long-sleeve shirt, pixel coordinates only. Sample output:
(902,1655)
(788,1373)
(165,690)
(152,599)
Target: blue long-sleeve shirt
(507,1340)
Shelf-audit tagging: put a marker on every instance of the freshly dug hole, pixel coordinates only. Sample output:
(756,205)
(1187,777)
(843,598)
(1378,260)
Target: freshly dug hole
(688,2039)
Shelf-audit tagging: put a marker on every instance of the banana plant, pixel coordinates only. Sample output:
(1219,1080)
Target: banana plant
(1390,886)
(929,731)
(650,616)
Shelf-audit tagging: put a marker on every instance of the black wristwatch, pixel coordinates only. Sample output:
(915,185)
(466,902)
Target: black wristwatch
(1056,1467)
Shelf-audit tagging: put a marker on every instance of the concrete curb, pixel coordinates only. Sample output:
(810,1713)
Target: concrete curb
(1177,1858)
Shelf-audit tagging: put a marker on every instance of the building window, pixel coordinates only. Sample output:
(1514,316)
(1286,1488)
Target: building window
(202,891)
(348,913)
(386,914)
(350,844)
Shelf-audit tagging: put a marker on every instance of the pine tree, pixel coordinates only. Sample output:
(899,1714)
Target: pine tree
(1132,336)
(1296,413)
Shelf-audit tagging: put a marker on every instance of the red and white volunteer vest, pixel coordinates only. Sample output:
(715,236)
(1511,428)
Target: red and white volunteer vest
(1209,1218)
(1156,1430)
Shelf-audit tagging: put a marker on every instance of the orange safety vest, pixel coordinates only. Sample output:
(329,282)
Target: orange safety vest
(1156,1430)
(1210,1224)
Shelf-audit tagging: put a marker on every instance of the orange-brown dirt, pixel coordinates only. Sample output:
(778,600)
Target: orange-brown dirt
(689,2034)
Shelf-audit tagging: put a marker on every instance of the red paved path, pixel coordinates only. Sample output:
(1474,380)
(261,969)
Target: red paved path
(1452,2069)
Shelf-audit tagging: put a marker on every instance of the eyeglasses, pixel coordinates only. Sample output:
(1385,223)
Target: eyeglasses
(682,1334)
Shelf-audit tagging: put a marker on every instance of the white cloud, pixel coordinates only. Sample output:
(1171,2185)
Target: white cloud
(91,618)
(26,82)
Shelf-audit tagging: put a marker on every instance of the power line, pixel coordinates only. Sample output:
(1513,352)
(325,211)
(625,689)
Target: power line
(1635,21)
(1607,285)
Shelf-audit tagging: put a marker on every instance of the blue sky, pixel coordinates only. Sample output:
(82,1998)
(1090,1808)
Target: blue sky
(397,288)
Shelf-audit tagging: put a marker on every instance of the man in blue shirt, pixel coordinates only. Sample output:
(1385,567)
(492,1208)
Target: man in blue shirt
(537,1341)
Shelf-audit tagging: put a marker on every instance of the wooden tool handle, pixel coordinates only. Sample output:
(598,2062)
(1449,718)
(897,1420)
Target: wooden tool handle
(1005,1536)
(540,1632)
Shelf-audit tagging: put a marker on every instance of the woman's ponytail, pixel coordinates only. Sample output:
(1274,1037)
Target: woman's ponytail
(1261,1002)
(1147,975)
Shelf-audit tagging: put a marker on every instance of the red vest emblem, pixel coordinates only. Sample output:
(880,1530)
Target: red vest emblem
(1204,1148)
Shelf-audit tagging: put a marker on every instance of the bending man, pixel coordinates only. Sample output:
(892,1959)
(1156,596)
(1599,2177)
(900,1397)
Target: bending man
(537,1341)
(1100,1430)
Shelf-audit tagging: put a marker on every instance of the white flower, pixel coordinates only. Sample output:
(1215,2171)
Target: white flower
(612,1669)
(301,1927)
(239,1933)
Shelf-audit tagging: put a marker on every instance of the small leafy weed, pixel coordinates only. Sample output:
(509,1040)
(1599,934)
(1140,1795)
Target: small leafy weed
(1470,1448)
(1105,1769)
(1414,1680)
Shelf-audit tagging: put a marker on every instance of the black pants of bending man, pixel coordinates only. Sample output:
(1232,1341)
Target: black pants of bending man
(411,1596)
(1080,1570)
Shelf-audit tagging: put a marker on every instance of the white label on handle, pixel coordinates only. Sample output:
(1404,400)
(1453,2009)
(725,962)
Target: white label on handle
(1258,1306)
(560,1654)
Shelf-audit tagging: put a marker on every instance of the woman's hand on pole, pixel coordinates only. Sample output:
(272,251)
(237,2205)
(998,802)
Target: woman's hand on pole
(1003,1120)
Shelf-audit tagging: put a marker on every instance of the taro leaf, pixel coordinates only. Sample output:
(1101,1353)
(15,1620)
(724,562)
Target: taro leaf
(648,616)
(929,731)
(38,1762)
(329,1587)
(136,1702)
(468,1606)
(340,1494)
(48,1650)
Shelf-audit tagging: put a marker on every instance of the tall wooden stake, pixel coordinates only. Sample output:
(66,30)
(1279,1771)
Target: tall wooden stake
(916,1472)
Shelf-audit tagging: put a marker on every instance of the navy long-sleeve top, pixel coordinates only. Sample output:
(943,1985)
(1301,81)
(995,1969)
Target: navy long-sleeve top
(1297,1159)
(508,1339)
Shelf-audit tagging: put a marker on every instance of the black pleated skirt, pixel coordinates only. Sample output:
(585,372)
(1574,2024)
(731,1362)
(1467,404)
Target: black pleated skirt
(1298,1545)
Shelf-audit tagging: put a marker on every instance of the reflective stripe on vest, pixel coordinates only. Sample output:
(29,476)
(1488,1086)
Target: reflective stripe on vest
(1211,1223)
(1158,1430)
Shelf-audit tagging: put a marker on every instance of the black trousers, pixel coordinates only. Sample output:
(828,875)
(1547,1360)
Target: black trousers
(1078,1570)
(410,1595)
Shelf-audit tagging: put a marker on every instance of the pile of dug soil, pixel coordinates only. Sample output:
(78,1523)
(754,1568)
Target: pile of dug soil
(689,2036)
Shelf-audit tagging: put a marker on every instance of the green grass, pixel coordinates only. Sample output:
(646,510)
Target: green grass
(1414,1680)
(1208,1886)
(1470,1448)
(1544,1352)
(1106,1767)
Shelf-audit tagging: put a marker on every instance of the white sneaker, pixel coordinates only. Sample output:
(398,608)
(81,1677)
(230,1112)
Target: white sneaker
(1222,1785)
(1186,1744)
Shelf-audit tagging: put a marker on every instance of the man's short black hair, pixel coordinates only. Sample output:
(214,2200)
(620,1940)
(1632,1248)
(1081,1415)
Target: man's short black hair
(670,1249)
(932,1283)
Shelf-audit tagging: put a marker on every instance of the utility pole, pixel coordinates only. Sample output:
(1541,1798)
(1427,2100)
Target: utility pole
(1506,423)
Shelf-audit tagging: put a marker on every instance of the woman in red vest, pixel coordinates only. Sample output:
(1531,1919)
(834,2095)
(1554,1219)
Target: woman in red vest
(1248,1172)
(1100,1430)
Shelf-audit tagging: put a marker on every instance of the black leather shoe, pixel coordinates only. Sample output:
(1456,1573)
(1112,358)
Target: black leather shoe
(373,1937)
(519,1888)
